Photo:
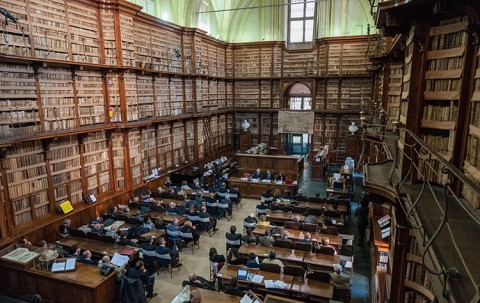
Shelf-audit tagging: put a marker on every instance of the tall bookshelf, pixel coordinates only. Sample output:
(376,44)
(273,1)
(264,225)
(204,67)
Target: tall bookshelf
(145,96)
(17,35)
(135,157)
(96,168)
(149,150)
(58,102)
(84,33)
(178,142)
(443,83)
(471,166)
(164,145)
(113,97)
(49,28)
(26,174)
(394,91)
(65,169)
(19,113)
(162,96)
(90,98)
(118,160)
(131,96)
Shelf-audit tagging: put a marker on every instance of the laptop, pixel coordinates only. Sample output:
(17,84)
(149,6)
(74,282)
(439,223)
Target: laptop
(242,274)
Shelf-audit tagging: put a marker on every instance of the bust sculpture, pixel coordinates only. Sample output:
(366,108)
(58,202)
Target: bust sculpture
(245,125)
(353,128)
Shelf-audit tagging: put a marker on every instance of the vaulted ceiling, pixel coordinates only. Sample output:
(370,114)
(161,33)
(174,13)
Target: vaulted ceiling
(259,20)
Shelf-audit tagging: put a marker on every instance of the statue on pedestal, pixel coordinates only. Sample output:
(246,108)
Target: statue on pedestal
(245,125)
(353,128)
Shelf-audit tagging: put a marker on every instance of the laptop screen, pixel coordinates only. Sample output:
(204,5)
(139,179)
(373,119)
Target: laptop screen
(242,274)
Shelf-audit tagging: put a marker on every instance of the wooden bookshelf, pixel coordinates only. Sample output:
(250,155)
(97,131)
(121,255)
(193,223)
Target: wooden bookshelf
(131,96)
(394,91)
(96,168)
(178,143)
(113,97)
(65,169)
(149,150)
(84,32)
(164,145)
(135,157)
(109,38)
(17,35)
(471,166)
(90,97)
(145,96)
(26,174)
(176,96)
(118,159)
(19,112)
(162,96)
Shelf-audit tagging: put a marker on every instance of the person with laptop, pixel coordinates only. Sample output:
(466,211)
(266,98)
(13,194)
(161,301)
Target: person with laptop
(338,277)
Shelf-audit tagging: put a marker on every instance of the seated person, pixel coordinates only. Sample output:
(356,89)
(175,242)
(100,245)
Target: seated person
(87,258)
(266,240)
(119,270)
(257,174)
(250,219)
(126,210)
(223,191)
(173,227)
(215,258)
(42,246)
(139,272)
(185,185)
(189,228)
(148,250)
(138,215)
(249,238)
(233,257)
(277,194)
(338,277)
(252,261)
(325,242)
(123,240)
(262,221)
(294,223)
(273,260)
(280,177)
(287,196)
(162,249)
(172,208)
(232,236)
(300,196)
(25,242)
(64,229)
(158,223)
(315,199)
(269,176)
(204,214)
(281,242)
(225,202)
(232,288)
(197,281)
(309,219)
(262,206)
(97,228)
(181,210)
(307,238)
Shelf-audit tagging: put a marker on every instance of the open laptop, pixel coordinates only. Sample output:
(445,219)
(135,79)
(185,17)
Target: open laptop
(242,274)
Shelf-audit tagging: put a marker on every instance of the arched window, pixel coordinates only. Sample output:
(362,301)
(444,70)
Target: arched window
(299,97)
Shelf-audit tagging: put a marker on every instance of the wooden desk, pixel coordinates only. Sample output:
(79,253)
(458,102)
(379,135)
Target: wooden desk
(322,260)
(289,256)
(156,234)
(340,208)
(314,288)
(280,217)
(83,285)
(228,273)
(168,218)
(296,235)
(258,250)
(339,222)
(251,189)
(335,191)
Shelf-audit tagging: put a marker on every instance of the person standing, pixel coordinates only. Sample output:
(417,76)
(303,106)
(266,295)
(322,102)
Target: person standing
(361,213)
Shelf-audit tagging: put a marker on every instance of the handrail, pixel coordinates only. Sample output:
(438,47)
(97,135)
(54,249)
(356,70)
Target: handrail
(427,163)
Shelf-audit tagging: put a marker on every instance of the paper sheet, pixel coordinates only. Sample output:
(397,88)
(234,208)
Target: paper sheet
(60,266)
(70,264)
(257,279)
(119,259)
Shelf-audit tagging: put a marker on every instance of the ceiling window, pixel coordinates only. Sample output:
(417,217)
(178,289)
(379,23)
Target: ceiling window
(301,16)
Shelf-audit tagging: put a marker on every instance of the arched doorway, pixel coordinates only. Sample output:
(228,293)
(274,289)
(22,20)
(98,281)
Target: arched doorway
(298,97)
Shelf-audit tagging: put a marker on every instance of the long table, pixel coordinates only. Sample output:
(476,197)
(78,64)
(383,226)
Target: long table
(291,256)
(255,189)
(295,285)
(94,246)
(208,296)
(282,217)
(295,235)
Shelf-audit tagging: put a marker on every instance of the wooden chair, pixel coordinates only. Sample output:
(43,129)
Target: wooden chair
(316,211)
(319,275)
(293,225)
(77,233)
(187,238)
(94,236)
(299,210)
(327,250)
(294,270)
(329,230)
(270,267)
(303,246)
(310,227)
(283,243)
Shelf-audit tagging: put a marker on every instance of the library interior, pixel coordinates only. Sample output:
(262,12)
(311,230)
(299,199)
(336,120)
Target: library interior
(245,151)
